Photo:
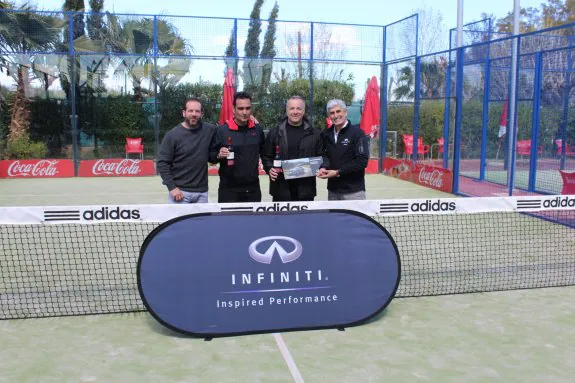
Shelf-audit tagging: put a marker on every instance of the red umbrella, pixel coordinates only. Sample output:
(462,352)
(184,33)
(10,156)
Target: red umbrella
(503,121)
(502,128)
(226,112)
(370,118)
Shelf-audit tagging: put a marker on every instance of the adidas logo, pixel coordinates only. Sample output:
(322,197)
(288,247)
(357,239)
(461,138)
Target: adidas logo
(280,207)
(429,205)
(107,213)
(559,202)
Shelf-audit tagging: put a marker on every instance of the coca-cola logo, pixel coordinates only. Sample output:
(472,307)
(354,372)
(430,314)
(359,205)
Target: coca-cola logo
(41,168)
(431,176)
(121,168)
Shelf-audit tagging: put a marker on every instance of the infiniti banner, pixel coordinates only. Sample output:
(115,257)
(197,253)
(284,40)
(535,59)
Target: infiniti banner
(217,274)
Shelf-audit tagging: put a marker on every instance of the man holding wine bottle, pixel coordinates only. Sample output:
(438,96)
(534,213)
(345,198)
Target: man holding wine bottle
(293,138)
(241,139)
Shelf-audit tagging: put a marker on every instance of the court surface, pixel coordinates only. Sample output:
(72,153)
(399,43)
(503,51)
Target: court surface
(512,336)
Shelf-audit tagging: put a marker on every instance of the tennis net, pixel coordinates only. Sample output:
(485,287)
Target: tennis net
(82,260)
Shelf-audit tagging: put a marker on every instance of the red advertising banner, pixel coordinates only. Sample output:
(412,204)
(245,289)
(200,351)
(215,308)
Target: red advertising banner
(372,167)
(423,174)
(116,167)
(49,168)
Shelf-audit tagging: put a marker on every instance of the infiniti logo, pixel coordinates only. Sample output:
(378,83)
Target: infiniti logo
(274,246)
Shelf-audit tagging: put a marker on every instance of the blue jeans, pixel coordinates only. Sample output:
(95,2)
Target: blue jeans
(191,197)
(333,196)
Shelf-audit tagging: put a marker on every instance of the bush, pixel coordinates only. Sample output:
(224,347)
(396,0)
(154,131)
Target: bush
(23,148)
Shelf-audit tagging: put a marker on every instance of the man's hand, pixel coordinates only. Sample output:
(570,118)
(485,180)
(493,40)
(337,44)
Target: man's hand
(223,153)
(254,120)
(274,174)
(177,194)
(325,174)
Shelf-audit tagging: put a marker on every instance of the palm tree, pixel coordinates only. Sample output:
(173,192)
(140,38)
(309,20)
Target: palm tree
(23,32)
(136,37)
(405,84)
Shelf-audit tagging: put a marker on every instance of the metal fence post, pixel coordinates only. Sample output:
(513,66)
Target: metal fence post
(458,117)
(565,117)
(512,131)
(73,111)
(236,56)
(535,121)
(156,79)
(416,110)
(485,119)
(383,107)
(447,112)
(311,115)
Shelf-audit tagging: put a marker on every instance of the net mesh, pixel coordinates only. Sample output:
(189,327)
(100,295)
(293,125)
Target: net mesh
(77,269)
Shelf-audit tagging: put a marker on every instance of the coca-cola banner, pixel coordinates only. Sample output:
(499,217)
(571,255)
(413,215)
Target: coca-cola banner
(49,168)
(116,167)
(422,173)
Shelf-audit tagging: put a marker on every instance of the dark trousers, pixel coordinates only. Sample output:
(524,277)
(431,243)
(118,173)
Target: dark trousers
(293,195)
(228,195)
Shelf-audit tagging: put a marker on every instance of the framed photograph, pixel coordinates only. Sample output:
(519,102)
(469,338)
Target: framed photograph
(301,167)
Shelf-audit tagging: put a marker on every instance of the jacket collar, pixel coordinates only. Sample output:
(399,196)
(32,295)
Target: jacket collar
(345,126)
(233,126)
(283,125)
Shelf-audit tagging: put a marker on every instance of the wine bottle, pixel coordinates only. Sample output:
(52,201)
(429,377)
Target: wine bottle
(231,152)
(277,160)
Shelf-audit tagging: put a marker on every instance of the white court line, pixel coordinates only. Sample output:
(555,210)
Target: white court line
(80,194)
(288,358)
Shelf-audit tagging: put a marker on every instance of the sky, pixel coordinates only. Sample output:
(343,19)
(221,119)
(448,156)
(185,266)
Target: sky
(376,12)
(209,36)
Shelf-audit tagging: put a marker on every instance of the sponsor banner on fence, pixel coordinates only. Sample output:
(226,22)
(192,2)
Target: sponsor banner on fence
(424,174)
(48,168)
(116,167)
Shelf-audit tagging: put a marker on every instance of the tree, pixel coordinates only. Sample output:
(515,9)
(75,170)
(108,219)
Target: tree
(431,31)
(268,50)
(136,38)
(23,32)
(251,73)
(95,20)
(529,20)
(405,84)
(328,47)
(76,8)
(230,51)
(557,12)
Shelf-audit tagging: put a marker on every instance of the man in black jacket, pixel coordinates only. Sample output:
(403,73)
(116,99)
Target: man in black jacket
(346,154)
(239,178)
(296,139)
(184,155)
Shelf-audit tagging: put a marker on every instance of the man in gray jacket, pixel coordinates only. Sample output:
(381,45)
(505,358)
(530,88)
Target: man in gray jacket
(184,155)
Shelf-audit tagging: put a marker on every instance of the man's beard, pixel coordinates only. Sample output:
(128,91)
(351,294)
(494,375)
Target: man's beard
(189,122)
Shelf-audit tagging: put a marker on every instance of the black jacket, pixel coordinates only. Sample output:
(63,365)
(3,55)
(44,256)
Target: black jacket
(310,145)
(184,156)
(247,142)
(349,155)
